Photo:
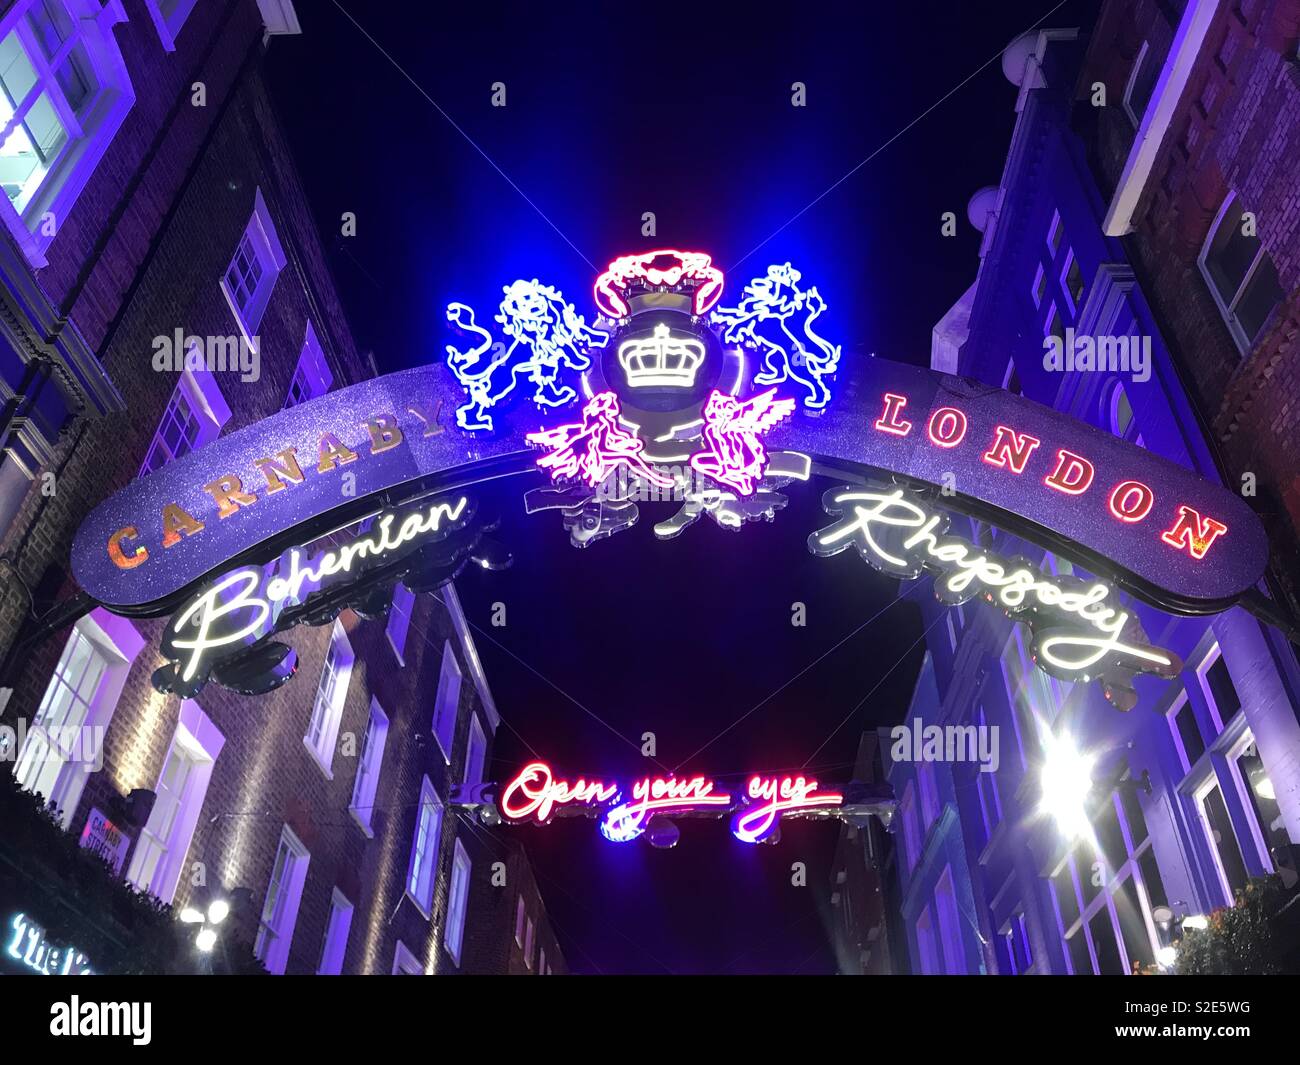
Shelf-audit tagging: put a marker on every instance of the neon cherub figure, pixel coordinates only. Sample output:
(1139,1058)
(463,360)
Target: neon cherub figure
(762,319)
(545,335)
(595,448)
(733,454)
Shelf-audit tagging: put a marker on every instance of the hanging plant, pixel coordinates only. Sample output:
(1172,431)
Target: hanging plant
(1240,940)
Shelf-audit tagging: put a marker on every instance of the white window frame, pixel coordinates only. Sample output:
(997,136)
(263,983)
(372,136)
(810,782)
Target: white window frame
(1143,54)
(265,244)
(166,838)
(280,909)
(477,741)
(115,643)
(1227,310)
(422,867)
(457,902)
(334,946)
(327,707)
(369,766)
(1203,679)
(405,963)
(169,26)
(89,133)
(447,701)
(199,391)
(399,621)
(311,377)
(1199,796)
(1238,748)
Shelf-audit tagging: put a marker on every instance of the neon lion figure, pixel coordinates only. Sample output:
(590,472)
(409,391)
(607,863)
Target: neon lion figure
(596,447)
(733,453)
(762,321)
(545,335)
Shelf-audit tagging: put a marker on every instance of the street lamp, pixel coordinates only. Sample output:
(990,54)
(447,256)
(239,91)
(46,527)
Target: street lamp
(206,939)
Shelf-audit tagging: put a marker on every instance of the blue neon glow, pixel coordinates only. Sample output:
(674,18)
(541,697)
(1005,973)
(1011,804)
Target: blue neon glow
(775,319)
(544,336)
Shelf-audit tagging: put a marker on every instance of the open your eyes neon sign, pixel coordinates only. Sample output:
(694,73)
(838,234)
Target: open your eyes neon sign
(536,795)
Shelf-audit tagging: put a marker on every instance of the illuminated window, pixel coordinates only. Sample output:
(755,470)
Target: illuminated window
(368,766)
(1141,84)
(65,735)
(457,901)
(405,963)
(399,620)
(447,700)
(331,694)
(1241,275)
(253,269)
(424,848)
(311,377)
(64,92)
(194,415)
(159,857)
(168,17)
(335,945)
(476,752)
(283,897)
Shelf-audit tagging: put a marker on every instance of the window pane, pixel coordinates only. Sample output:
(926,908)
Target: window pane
(1190,734)
(1224,840)
(1137,944)
(1066,900)
(1263,292)
(1222,691)
(1263,799)
(1151,879)
(1080,962)
(1109,962)
(1133,817)
(1231,254)
(1109,835)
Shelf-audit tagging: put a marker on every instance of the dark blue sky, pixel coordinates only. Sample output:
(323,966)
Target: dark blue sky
(613,111)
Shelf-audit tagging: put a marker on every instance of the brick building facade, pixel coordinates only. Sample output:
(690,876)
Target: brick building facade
(319,811)
(1197,156)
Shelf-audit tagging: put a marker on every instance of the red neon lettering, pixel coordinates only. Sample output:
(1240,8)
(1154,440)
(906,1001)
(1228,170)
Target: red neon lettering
(535,793)
(1073,473)
(1193,532)
(947,427)
(890,422)
(1011,448)
(1131,501)
(774,796)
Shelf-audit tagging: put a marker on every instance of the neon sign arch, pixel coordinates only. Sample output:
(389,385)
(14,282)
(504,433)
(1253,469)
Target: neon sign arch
(670,391)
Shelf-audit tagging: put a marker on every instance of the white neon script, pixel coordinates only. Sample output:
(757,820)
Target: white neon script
(249,588)
(867,513)
(28,946)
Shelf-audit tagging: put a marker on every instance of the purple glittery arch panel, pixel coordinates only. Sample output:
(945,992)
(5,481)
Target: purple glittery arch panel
(844,437)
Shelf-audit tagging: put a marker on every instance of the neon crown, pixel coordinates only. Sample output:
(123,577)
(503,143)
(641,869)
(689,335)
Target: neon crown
(664,359)
(667,268)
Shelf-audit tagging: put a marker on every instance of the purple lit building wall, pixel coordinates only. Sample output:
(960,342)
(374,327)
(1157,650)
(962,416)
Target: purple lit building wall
(986,883)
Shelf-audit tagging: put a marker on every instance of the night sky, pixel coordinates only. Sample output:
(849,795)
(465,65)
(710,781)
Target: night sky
(611,112)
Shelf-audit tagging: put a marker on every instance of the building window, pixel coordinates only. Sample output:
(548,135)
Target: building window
(541,963)
(1259,797)
(925,774)
(521,913)
(1053,326)
(1072,282)
(405,963)
(951,621)
(1241,275)
(447,700)
(64,92)
(1019,956)
(911,830)
(476,752)
(927,947)
(458,898)
(1186,731)
(424,849)
(311,377)
(399,620)
(283,896)
(986,785)
(331,693)
(945,901)
(194,415)
(168,17)
(64,739)
(253,269)
(1040,286)
(159,857)
(335,944)
(528,943)
(368,766)
(1054,232)
(1222,838)
(1141,84)
(1220,692)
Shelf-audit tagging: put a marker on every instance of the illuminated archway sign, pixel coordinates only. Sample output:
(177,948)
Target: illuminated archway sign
(669,393)
(648,805)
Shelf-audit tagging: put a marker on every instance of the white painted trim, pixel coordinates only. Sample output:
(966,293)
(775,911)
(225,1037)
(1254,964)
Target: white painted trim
(1165,98)
(461,624)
